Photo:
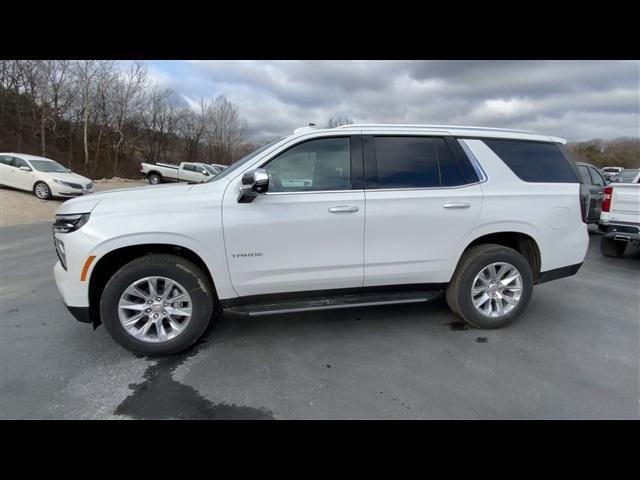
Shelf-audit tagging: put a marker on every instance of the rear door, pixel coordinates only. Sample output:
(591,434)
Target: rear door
(6,171)
(597,193)
(594,212)
(422,196)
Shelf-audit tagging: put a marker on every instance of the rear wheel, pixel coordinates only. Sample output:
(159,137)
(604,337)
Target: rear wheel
(491,286)
(157,304)
(612,248)
(155,179)
(42,191)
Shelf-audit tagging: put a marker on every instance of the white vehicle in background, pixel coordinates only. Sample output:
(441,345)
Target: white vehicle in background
(351,216)
(620,218)
(630,175)
(185,172)
(216,167)
(44,177)
(611,173)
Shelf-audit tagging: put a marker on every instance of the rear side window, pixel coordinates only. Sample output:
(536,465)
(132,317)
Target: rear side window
(534,161)
(415,162)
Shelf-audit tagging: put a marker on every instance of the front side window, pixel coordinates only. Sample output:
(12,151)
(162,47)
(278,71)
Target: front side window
(18,162)
(5,160)
(316,165)
(48,166)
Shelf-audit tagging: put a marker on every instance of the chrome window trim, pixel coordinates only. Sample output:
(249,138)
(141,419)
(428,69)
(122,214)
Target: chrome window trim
(482,175)
(313,191)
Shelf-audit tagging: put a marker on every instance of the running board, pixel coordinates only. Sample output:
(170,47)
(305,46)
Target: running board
(332,302)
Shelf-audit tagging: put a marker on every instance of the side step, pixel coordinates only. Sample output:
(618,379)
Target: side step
(328,302)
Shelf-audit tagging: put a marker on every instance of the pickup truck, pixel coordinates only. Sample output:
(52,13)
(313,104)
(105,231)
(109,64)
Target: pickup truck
(352,216)
(185,172)
(620,218)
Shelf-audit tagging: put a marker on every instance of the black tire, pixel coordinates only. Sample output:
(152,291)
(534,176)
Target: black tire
(155,179)
(612,248)
(171,266)
(42,191)
(472,262)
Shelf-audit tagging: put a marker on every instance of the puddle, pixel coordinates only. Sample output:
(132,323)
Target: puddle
(159,396)
(457,325)
(482,339)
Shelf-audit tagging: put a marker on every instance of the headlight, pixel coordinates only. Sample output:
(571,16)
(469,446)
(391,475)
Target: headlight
(70,223)
(67,184)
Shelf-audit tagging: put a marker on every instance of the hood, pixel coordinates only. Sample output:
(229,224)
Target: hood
(132,200)
(70,177)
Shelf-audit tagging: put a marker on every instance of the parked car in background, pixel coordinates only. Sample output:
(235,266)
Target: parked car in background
(44,177)
(185,172)
(594,179)
(217,167)
(630,175)
(329,218)
(611,173)
(620,218)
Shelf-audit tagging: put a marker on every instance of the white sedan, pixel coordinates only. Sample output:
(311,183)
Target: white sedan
(44,177)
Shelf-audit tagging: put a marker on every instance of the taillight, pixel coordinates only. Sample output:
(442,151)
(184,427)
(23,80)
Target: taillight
(606,201)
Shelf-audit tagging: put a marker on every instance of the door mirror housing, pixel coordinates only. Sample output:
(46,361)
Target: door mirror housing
(25,169)
(254,183)
(205,172)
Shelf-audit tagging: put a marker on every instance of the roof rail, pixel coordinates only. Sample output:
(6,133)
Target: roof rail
(418,126)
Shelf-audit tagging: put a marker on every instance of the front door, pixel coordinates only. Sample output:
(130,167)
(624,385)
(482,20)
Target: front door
(306,232)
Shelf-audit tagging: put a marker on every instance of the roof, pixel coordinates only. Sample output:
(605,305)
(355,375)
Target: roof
(27,156)
(454,130)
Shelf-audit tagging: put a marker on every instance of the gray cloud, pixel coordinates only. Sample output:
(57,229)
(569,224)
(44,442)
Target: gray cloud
(572,99)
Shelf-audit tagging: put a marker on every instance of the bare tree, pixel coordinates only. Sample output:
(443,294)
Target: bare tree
(336,122)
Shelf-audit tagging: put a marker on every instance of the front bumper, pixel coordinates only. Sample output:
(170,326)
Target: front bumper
(81,314)
(58,190)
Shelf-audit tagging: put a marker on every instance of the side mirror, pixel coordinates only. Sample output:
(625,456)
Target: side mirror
(254,182)
(205,172)
(25,169)
(69,170)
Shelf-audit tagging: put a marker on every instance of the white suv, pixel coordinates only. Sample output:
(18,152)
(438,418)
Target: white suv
(328,218)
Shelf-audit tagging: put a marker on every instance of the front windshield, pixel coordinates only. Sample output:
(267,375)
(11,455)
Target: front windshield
(627,176)
(235,166)
(48,166)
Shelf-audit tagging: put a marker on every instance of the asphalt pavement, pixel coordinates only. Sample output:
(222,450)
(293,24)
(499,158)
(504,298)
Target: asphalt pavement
(573,355)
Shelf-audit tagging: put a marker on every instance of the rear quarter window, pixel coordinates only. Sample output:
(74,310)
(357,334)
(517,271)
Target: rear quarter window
(534,161)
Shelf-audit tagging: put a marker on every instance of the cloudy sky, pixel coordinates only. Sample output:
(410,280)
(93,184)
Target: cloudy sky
(577,100)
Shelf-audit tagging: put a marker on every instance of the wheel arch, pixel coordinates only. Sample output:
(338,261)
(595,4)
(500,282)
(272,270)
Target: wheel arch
(519,241)
(113,260)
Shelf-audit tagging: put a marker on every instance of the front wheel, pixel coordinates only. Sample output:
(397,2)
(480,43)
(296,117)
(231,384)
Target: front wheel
(491,286)
(42,191)
(157,304)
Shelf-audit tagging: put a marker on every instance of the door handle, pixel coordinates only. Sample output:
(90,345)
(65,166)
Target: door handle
(456,205)
(343,209)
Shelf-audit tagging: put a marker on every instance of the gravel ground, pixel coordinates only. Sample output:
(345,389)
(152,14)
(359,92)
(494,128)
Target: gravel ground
(19,207)
(573,355)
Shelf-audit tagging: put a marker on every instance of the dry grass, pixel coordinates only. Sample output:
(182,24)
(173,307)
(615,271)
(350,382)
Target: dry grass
(19,207)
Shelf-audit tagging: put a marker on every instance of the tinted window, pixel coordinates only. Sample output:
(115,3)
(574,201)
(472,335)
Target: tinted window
(322,164)
(597,179)
(450,173)
(189,167)
(406,162)
(18,162)
(534,161)
(584,173)
(4,159)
